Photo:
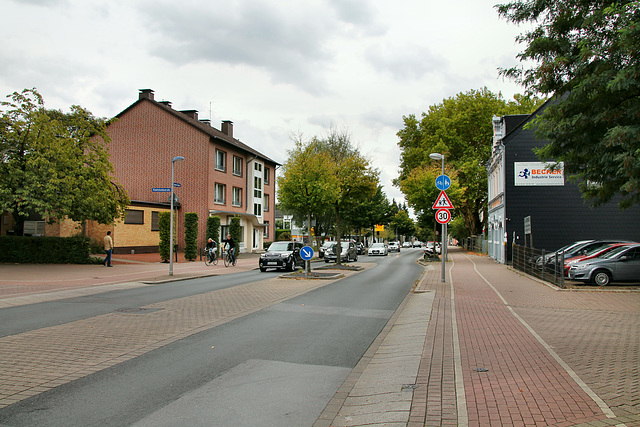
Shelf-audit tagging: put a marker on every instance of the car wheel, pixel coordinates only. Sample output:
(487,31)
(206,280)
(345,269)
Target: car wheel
(355,258)
(601,278)
(326,261)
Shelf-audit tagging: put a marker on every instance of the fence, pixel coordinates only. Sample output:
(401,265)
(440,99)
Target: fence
(476,244)
(548,266)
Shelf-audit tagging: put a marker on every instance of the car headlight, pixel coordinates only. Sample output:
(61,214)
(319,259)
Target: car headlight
(581,266)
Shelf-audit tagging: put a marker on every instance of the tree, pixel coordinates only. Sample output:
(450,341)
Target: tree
(356,180)
(366,213)
(402,224)
(461,129)
(307,185)
(586,53)
(191,236)
(55,164)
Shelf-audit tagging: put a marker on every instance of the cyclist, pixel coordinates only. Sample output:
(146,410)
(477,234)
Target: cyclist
(211,249)
(232,247)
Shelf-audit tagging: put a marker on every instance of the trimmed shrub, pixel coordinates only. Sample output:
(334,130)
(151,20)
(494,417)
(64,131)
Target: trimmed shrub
(164,226)
(191,236)
(236,231)
(213,230)
(46,250)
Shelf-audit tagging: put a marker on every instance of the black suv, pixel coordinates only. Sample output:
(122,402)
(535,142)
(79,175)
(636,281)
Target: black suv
(282,255)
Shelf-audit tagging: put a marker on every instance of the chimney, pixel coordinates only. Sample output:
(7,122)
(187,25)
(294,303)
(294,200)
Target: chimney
(146,93)
(227,128)
(205,122)
(190,113)
(166,103)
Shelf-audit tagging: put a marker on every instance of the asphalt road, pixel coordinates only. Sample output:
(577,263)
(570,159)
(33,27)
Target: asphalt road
(275,367)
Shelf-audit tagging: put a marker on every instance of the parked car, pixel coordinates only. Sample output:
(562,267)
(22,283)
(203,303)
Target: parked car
(432,247)
(348,252)
(593,253)
(550,258)
(394,246)
(621,264)
(417,244)
(406,245)
(361,249)
(378,249)
(282,255)
(324,247)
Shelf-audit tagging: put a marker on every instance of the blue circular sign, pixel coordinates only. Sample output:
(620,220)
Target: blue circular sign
(443,182)
(306,253)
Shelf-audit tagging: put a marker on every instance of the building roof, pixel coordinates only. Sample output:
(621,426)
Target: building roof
(191,117)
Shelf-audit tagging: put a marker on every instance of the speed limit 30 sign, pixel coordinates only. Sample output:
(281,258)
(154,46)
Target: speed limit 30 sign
(443,216)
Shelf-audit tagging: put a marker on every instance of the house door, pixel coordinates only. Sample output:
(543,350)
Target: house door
(256,238)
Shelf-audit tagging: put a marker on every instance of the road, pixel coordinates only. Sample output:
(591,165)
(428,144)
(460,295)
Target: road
(241,349)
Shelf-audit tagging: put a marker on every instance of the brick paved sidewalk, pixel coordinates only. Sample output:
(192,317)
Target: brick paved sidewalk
(510,351)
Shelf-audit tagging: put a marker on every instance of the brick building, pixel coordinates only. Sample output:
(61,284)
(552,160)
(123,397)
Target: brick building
(219,176)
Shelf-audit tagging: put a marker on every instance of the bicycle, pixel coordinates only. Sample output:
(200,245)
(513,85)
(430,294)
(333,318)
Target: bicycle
(211,257)
(228,258)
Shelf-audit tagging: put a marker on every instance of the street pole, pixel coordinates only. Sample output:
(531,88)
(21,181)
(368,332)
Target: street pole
(443,250)
(175,159)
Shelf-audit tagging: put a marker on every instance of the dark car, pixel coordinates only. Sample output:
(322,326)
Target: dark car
(349,252)
(621,264)
(285,255)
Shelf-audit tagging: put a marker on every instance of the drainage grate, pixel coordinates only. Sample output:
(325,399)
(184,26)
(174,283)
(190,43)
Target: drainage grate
(409,387)
(481,370)
(137,310)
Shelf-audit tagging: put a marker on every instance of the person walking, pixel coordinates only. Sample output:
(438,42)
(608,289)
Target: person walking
(108,248)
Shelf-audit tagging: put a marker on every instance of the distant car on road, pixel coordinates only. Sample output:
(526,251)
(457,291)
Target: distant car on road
(285,255)
(417,244)
(394,247)
(406,245)
(348,252)
(378,249)
(324,248)
(621,264)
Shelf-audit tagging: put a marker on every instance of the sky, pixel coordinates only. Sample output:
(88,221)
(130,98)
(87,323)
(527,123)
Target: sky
(277,69)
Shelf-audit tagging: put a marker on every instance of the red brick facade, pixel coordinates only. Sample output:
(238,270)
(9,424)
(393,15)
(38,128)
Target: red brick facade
(148,135)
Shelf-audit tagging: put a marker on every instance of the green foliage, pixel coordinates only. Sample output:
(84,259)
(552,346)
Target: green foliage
(235,229)
(164,226)
(587,54)
(213,230)
(366,213)
(191,236)
(46,250)
(461,129)
(402,224)
(56,164)
(283,235)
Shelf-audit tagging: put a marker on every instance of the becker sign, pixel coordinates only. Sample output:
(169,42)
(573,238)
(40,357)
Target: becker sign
(538,173)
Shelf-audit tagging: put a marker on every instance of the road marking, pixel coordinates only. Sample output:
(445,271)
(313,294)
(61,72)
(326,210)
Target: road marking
(461,399)
(603,406)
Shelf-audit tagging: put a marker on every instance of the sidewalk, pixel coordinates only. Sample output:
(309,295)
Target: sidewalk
(491,347)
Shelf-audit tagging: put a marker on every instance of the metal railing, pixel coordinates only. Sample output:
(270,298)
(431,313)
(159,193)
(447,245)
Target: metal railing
(548,266)
(476,244)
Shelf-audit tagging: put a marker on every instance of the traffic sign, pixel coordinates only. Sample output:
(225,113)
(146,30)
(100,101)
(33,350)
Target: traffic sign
(443,216)
(161,190)
(306,253)
(443,182)
(442,202)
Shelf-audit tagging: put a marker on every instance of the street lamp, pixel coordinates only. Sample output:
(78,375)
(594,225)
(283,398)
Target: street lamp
(175,159)
(438,156)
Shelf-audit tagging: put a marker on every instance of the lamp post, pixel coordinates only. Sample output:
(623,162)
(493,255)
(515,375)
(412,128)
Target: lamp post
(438,156)
(175,159)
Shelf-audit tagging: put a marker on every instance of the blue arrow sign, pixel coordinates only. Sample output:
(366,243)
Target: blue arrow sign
(161,190)
(306,253)
(443,182)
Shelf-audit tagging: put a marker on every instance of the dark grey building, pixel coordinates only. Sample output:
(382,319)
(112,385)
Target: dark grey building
(521,187)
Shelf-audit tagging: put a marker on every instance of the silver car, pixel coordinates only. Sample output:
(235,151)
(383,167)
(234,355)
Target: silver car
(618,265)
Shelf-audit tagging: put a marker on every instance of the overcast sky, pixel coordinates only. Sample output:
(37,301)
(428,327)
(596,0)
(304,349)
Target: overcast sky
(275,68)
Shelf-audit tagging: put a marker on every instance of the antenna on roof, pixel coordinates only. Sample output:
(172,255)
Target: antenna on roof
(210,110)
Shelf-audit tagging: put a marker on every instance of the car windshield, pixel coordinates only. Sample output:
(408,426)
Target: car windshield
(614,252)
(597,249)
(378,245)
(281,247)
(328,244)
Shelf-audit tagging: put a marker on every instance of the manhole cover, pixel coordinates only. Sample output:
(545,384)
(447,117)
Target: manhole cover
(481,370)
(137,310)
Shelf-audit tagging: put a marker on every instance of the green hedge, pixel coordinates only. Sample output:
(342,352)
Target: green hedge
(46,250)
(190,236)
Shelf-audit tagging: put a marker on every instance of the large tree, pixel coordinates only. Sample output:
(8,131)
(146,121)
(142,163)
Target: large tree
(55,164)
(587,53)
(460,128)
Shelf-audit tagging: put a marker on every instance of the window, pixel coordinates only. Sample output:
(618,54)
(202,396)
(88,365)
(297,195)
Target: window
(257,209)
(266,229)
(154,221)
(258,167)
(220,190)
(221,160)
(237,196)
(237,165)
(257,187)
(134,217)
(267,172)
(266,203)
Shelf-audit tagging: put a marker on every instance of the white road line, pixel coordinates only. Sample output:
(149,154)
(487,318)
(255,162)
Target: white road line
(461,398)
